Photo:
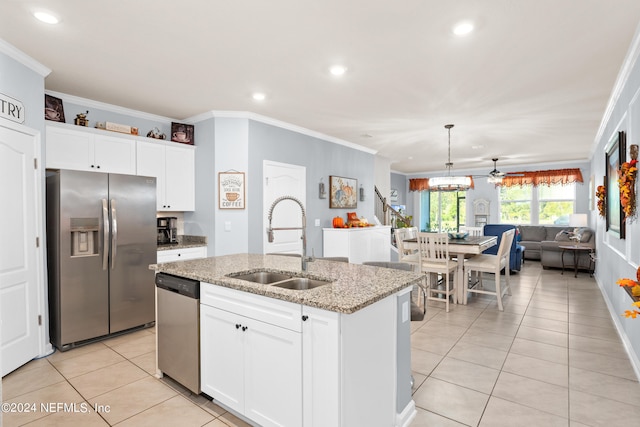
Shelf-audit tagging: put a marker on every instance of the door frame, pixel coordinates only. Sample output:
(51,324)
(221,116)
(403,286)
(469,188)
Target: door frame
(44,344)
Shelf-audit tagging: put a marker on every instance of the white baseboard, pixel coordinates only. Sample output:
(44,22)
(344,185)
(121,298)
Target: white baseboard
(407,415)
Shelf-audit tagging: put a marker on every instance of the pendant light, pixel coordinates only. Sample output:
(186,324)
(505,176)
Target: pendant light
(449,182)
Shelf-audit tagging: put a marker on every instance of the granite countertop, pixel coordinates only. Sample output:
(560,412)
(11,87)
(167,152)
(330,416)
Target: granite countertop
(185,241)
(353,286)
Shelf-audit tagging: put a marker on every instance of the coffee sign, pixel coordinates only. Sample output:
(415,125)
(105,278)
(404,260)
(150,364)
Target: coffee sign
(11,109)
(231,190)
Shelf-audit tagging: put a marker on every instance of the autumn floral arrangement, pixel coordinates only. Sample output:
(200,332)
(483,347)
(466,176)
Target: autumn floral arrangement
(601,193)
(635,291)
(627,181)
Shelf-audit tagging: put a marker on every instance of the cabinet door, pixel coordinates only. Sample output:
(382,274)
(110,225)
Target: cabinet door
(180,178)
(181,254)
(115,155)
(150,162)
(273,375)
(320,367)
(221,356)
(69,149)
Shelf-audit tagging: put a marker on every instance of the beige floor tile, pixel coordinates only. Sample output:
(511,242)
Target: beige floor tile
(71,419)
(597,411)
(451,401)
(591,331)
(23,381)
(542,323)
(176,411)
(537,369)
(109,378)
(495,326)
(216,423)
(590,320)
(503,413)
(51,396)
(543,335)
(535,394)
(33,364)
(546,305)
(136,346)
(600,363)
(87,362)
(75,352)
(593,345)
(487,339)
(213,409)
(443,329)
(429,419)
(418,379)
(146,361)
(231,420)
(424,362)
(133,398)
(466,374)
(481,355)
(614,388)
(128,337)
(547,314)
(433,343)
(539,350)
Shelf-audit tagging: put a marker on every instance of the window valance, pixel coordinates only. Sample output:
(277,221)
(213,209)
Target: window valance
(548,177)
(422,184)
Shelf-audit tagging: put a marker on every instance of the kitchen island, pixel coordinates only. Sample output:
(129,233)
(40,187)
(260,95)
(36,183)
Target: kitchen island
(337,354)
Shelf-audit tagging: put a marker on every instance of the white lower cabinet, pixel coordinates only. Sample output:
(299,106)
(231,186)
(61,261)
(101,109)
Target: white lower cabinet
(171,255)
(251,366)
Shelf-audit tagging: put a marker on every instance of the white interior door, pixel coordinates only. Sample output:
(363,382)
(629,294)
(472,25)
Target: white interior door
(282,179)
(19,278)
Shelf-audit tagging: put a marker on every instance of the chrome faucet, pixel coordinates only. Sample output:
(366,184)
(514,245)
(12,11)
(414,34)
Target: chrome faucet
(270,230)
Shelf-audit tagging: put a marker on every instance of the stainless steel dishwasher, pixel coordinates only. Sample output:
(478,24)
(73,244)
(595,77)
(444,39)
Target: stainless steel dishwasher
(178,329)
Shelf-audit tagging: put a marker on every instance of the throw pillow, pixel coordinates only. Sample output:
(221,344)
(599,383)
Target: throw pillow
(562,236)
(585,234)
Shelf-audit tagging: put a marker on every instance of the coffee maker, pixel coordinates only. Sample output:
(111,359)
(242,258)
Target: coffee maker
(167,230)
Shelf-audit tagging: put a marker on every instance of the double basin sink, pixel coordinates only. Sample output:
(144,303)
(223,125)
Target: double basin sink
(280,280)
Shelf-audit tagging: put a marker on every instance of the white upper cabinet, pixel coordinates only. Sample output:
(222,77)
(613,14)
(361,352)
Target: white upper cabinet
(85,150)
(174,167)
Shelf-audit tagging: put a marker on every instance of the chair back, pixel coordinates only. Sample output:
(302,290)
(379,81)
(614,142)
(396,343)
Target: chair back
(504,251)
(473,231)
(434,247)
(403,234)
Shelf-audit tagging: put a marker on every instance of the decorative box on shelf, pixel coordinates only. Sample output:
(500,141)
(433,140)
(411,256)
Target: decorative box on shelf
(115,127)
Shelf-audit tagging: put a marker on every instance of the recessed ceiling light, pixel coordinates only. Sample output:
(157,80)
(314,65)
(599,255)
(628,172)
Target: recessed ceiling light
(46,17)
(338,70)
(463,28)
(259,96)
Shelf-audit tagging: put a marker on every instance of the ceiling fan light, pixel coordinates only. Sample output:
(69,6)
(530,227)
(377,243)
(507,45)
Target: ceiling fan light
(493,179)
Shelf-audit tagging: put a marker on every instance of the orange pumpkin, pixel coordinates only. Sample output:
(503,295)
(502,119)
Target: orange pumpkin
(338,222)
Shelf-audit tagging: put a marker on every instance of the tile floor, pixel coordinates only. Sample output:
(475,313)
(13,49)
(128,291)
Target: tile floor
(551,358)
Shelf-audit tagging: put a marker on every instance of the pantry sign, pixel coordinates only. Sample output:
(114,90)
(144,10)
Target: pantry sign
(11,109)
(231,190)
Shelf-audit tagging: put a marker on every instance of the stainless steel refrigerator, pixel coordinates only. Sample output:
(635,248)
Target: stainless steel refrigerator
(101,238)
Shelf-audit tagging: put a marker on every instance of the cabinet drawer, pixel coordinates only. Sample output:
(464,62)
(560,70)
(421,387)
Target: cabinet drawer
(270,310)
(181,254)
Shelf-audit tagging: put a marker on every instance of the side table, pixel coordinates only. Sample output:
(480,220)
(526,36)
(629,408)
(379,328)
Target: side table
(576,250)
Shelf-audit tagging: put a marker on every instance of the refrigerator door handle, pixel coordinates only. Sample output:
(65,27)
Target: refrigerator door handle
(114,233)
(105,234)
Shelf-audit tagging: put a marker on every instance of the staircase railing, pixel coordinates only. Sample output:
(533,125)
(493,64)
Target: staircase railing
(388,215)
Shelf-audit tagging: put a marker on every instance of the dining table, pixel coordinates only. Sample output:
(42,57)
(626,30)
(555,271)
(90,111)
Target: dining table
(461,248)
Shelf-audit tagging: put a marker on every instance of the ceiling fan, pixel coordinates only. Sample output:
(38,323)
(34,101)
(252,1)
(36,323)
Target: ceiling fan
(495,176)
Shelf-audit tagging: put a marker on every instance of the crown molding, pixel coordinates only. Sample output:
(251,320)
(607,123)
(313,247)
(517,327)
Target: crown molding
(623,76)
(18,55)
(277,123)
(562,164)
(85,102)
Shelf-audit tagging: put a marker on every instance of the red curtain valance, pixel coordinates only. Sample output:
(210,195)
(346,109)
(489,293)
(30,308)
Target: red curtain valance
(422,184)
(548,177)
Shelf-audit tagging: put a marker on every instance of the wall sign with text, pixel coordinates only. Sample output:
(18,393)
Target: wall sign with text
(11,109)
(231,190)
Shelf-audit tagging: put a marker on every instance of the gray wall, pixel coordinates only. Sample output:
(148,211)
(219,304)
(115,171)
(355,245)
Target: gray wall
(618,258)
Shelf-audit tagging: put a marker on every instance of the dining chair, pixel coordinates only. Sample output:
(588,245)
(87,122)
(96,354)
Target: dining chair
(435,261)
(485,263)
(410,256)
(473,231)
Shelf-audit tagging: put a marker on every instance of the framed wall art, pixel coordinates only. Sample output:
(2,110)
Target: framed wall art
(614,157)
(343,192)
(182,133)
(231,190)
(53,109)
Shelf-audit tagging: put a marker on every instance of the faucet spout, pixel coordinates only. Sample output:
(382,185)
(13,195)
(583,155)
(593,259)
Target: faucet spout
(305,258)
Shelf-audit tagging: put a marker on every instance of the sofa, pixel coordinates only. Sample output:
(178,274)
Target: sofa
(515,257)
(542,243)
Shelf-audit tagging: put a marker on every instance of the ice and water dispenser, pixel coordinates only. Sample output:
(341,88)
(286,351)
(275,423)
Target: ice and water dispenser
(84,236)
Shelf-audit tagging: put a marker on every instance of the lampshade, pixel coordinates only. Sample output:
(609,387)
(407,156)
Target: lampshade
(578,220)
(449,182)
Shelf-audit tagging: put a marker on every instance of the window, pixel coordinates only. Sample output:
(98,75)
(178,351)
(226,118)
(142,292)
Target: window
(441,211)
(537,205)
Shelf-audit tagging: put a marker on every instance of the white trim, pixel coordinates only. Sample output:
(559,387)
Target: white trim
(21,57)
(407,415)
(623,75)
(109,107)
(512,168)
(277,123)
